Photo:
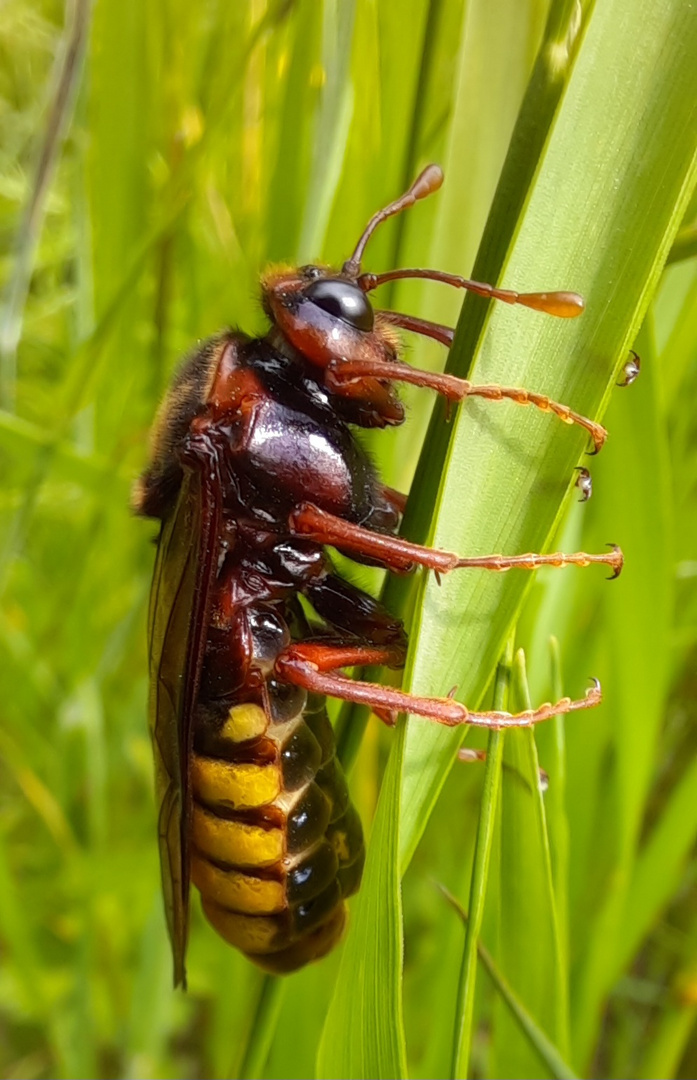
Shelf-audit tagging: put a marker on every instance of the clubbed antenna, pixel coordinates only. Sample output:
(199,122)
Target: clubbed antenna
(425,184)
(565,305)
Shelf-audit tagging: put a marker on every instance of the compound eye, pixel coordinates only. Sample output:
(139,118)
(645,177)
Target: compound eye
(343,300)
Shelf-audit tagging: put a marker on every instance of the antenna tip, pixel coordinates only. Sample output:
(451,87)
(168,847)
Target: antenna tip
(565,305)
(428,181)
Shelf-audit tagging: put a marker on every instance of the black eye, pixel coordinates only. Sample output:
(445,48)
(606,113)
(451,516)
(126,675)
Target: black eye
(343,300)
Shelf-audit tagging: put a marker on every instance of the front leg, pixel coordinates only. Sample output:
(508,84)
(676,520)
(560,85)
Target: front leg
(342,374)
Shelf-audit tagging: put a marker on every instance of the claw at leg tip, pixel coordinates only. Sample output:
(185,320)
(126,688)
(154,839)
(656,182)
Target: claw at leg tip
(595,692)
(617,561)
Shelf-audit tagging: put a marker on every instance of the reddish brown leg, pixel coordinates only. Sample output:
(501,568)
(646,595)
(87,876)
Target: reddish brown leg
(313,666)
(401,555)
(443,334)
(323,657)
(340,372)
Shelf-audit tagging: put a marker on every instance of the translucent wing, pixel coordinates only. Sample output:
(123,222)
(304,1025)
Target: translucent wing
(179,603)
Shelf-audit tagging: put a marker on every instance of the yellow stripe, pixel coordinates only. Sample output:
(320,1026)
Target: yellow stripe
(237,786)
(250,933)
(235,842)
(244,722)
(233,889)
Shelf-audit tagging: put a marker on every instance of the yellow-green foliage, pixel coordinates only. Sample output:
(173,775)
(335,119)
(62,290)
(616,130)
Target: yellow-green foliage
(153,158)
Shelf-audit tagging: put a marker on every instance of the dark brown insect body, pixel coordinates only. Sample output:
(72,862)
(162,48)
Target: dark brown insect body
(254,470)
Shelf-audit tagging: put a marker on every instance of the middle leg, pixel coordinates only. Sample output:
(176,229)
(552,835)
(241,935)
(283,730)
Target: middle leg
(402,555)
(343,372)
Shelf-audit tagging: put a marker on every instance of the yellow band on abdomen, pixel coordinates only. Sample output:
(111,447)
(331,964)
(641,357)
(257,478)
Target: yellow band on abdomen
(238,786)
(244,722)
(233,889)
(235,842)
(250,933)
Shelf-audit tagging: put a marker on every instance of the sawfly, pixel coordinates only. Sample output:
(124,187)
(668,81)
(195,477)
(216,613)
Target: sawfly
(254,472)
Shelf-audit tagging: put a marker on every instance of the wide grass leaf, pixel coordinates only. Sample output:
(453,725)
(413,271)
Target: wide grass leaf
(594,222)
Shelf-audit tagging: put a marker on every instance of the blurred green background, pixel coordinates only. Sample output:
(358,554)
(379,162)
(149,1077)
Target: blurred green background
(153,159)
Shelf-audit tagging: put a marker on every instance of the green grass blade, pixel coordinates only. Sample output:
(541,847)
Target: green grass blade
(584,230)
(363,1034)
(547,1052)
(660,865)
(63,87)
(632,658)
(671,1034)
(684,245)
(333,122)
(528,946)
(543,1047)
(669,1042)
(558,833)
(261,1029)
(462,1042)
(543,92)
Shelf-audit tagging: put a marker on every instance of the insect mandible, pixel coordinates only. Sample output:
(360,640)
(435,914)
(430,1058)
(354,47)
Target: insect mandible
(254,472)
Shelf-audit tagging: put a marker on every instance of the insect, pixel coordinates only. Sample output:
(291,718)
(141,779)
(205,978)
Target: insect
(253,472)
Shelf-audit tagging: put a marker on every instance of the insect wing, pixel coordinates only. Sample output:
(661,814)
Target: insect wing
(178,610)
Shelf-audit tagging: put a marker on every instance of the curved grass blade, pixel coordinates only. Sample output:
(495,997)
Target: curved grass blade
(528,948)
(595,223)
(480,872)
(545,1049)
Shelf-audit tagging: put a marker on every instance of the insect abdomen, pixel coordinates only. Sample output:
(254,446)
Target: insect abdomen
(276,844)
